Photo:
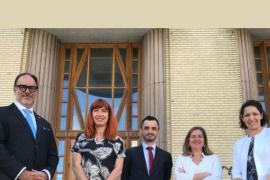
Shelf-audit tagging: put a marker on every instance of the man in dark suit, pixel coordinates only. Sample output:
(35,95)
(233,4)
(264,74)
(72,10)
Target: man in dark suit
(147,161)
(27,145)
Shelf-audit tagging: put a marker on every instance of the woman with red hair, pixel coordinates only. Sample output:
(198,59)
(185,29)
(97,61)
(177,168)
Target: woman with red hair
(98,153)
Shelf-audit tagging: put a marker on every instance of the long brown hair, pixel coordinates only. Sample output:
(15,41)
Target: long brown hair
(111,127)
(186,147)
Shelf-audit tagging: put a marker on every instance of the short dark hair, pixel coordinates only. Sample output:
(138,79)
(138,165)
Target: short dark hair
(149,118)
(255,104)
(23,74)
(186,147)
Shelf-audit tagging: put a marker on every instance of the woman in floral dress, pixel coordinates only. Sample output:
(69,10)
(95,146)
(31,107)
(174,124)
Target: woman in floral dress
(98,153)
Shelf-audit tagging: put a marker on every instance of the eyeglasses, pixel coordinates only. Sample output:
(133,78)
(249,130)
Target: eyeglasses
(23,88)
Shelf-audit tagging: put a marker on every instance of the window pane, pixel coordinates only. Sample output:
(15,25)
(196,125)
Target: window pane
(134,109)
(135,80)
(122,122)
(259,79)
(105,94)
(66,80)
(101,67)
(135,53)
(135,123)
(66,68)
(63,123)
(64,109)
(257,52)
(81,96)
(59,177)
(118,76)
(134,143)
(60,165)
(80,52)
(65,95)
(135,95)
(82,77)
(261,94)
(258,65)
(135,66)
(123,52)
(75,121)
(268,56)
(61,148)
(68,54)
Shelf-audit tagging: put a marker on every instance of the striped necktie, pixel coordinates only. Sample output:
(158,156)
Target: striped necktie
(251,167)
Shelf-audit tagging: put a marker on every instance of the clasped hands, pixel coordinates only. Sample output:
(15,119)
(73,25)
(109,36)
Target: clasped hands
(33,175)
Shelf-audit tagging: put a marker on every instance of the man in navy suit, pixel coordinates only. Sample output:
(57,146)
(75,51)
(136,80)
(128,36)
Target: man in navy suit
(147,161)
(27,145)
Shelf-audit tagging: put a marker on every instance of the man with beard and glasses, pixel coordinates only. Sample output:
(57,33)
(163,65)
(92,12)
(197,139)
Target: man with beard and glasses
(27,145)
(147,161)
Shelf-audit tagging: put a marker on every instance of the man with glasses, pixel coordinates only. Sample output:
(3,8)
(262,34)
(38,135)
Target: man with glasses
(27,145)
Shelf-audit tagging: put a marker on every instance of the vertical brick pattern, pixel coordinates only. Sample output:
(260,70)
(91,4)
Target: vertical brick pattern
(153,84)
(11,45)
(44,58)
(204,87)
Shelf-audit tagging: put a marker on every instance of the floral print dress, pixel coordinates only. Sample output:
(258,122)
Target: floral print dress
(98,157)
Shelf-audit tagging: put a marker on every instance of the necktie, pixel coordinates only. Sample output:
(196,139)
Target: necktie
(150,155)
(251,167)
(30,121)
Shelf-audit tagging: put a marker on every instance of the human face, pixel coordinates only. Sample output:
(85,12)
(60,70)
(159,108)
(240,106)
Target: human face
(100,116)
(252,118)
(196,140)
(149,131)
(26,98)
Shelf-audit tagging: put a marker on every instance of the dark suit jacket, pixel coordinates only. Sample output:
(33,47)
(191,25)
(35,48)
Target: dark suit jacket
(19,149)
(135,165)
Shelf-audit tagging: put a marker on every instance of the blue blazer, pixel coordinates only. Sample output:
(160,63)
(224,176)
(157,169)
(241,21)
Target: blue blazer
(135,166)
(19,149)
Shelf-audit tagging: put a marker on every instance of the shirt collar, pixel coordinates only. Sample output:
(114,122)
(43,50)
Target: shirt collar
(21,107)
(145,146)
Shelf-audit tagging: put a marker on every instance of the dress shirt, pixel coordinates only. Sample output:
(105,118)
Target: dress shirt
(21,107)
(209,163)
(261,155)
(146,156)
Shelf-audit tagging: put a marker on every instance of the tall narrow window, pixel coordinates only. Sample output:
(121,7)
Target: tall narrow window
(88,72)
(262,61)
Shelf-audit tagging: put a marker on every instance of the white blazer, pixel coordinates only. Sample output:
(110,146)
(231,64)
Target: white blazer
(261,155)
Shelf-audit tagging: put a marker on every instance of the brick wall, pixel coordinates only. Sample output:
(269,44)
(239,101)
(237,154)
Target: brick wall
(11,46)
(204,86)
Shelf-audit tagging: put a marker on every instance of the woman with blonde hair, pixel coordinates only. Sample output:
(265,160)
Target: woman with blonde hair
(197,161)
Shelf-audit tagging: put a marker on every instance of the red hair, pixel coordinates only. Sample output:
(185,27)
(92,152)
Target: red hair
(111,127)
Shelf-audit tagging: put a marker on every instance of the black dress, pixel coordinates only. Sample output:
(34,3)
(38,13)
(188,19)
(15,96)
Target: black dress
(98,157)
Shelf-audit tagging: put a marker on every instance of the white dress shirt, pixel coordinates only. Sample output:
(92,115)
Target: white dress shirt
(146,154)
(209,163)
(261,155)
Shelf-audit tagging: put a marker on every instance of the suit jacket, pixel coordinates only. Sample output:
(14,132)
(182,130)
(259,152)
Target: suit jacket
(135,165)
(19,149)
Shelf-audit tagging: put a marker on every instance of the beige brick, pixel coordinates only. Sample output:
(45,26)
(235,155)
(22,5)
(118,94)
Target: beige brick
(11,45)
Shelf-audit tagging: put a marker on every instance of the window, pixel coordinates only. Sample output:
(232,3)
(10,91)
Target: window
(88,72)
(262,62)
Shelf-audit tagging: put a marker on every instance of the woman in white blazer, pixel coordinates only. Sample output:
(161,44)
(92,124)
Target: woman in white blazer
(251,153)
(197,162)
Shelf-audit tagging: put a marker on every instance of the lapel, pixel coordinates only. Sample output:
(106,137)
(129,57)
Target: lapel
(21,119)
(156,160)
(142,159)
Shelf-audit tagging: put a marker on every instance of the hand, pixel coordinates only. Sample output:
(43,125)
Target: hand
(26,175)
(181,170)
(39,175)
(200,176)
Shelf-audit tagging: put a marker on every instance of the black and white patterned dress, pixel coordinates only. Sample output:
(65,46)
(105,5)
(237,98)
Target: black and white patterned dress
(98,157)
